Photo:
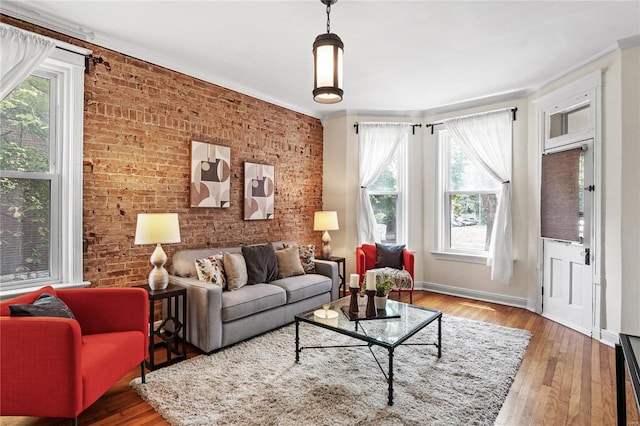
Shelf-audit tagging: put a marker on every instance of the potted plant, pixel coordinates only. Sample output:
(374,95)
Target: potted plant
(382,293)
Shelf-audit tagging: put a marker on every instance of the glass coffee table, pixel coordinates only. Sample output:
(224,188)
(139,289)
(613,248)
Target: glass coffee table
(401,323)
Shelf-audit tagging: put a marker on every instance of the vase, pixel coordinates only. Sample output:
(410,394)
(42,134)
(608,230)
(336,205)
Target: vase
(380,302)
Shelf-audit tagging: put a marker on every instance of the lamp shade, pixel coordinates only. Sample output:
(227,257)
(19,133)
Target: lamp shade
(157,228)
(328,51)
(325,221)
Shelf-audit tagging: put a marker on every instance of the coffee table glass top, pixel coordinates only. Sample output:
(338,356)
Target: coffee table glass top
(385,332)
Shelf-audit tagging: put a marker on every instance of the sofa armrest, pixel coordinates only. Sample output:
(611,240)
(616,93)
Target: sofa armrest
(40,366)
(204,312)
(408,260)
(329,269)
(361,263)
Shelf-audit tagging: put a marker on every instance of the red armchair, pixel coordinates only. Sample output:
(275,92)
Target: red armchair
(57,367)
(366,260)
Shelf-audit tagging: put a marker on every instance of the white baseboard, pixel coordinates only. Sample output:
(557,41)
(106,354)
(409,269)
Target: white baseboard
(501,299)
(609,338)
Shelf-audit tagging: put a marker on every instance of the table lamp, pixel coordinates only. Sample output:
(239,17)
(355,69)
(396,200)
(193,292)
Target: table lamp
(325,221)
(158,228)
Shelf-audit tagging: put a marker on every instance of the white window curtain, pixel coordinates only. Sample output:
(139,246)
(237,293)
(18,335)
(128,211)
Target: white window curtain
(376,143)
(20,52)
(487,140)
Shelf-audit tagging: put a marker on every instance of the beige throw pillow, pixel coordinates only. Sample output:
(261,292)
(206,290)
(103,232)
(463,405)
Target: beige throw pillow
(236,270)
(289,263)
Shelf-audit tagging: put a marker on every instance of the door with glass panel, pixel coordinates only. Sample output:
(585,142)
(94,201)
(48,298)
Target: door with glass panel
(566,218)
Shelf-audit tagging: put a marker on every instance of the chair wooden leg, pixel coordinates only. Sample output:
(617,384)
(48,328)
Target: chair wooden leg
(142,372)
(74,421)
(411,297)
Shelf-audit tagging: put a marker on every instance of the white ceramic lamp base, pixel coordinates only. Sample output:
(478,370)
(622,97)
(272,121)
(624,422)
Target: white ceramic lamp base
(158,277)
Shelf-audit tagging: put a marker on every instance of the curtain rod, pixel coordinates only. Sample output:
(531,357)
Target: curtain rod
(513,111)
(413,127)
(87,58)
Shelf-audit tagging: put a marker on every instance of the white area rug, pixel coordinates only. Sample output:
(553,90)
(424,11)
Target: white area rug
(257,382)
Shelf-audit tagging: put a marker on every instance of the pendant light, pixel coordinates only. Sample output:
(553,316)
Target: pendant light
(327,64)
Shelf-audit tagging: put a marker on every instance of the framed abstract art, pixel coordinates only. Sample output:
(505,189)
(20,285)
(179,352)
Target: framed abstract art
(210,175)
(259,191)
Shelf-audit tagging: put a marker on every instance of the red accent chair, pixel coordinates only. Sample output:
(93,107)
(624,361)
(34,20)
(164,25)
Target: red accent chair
(366,260)
(57,367)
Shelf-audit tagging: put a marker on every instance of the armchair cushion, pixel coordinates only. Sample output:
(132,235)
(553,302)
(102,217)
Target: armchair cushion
(46,305)
(389,256)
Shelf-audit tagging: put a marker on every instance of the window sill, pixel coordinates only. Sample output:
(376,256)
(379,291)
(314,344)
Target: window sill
(24,290)
(460,257)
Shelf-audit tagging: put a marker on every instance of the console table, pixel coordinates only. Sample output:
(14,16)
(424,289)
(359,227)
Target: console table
(627,351)
(174,321)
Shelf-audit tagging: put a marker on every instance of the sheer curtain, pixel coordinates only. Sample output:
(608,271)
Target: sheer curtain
(376,144)
(487,140)
(20,53)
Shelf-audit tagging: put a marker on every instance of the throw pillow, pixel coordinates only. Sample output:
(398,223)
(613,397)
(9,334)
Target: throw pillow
(289,264)
(235,269)
(306,258)
(46,305)
(389,256)
(262,263)
(211,270)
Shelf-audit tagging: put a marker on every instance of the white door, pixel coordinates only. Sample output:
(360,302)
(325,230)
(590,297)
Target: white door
(567,261)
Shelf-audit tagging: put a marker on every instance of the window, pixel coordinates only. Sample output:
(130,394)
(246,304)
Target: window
(387,200)
(40,177)
(468,197)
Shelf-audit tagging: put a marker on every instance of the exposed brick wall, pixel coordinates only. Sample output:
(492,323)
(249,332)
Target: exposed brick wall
(139,122)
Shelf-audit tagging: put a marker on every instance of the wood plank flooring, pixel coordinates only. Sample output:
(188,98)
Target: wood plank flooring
(565,377)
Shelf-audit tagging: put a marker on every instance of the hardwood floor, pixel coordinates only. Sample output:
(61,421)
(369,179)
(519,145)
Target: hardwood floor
(565,377)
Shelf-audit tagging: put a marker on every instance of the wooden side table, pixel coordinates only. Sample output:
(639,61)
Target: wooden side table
(174,321)
(341,275)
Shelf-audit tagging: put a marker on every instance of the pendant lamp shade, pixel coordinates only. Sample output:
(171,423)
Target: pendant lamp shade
(328,50)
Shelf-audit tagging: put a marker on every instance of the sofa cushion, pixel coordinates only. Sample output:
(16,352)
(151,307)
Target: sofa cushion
(262,264)
(211,270)
(289,264)
(249,300)
(235,269)
(46,305)
(106,358)
(389,256)
(304,286)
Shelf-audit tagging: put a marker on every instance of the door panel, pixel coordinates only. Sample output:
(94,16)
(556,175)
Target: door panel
(567,285)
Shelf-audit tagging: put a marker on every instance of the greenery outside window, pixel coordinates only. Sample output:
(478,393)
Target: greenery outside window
(468,197)
(388,200)
(41,177)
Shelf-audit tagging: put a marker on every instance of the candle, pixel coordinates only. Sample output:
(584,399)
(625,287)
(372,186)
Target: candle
(355,281)
(371,280)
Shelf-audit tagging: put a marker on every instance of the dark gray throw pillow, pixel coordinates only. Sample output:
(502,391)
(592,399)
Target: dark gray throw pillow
(262,263)
(389,256)
(46,305)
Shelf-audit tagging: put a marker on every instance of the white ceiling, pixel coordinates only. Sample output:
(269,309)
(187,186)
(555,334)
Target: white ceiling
(400,56)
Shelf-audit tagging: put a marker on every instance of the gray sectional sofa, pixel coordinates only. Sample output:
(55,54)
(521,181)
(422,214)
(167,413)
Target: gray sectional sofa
(218,318)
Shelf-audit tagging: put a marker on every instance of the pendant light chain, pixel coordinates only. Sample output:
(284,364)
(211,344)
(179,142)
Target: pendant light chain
(328,18)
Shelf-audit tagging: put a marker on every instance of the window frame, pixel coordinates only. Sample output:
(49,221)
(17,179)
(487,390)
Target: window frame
(443,205)
(403,179)
(65,69)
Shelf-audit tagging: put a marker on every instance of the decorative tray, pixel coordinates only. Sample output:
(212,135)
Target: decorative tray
(380,314)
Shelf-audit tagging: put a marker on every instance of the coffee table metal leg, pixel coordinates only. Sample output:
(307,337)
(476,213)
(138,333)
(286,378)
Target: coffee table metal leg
(297,341)
(440,337)
(390,376)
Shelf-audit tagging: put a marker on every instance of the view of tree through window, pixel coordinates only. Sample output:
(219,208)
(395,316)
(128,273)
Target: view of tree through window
(471,198)
(384,196)
(25,184)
